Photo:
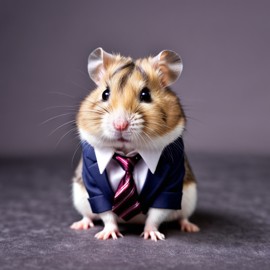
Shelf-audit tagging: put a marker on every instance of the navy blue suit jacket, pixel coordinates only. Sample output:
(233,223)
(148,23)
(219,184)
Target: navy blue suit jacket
(163,189)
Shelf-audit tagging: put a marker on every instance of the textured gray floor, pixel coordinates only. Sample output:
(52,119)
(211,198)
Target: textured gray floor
(233,213)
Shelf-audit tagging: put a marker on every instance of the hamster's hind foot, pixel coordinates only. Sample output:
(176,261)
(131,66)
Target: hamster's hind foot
(187,226)
(105,234)
(153,235)
(84,224)
(151,232)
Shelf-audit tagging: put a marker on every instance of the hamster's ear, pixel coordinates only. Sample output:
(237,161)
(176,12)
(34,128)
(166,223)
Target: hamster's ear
(169,65)
(98,61)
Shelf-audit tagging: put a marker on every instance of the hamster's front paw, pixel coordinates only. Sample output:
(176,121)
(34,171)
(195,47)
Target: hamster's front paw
(83,224)
(153,234)
(187,226)
(108,232)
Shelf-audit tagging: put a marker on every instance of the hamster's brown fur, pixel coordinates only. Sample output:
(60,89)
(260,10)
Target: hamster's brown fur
(161,121)
(125,80)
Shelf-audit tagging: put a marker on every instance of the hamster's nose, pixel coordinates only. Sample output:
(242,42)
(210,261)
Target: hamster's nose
(120,124)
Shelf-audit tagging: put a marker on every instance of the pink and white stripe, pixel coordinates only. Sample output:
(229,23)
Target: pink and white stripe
(126,204)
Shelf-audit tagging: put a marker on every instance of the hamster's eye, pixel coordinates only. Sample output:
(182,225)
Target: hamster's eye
(106,94)
(145,95)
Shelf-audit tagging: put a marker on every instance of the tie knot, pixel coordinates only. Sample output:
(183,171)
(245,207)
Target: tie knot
(127,163)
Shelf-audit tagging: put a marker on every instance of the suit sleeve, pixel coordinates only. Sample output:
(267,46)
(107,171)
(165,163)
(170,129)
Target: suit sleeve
(170,195)
(99,202)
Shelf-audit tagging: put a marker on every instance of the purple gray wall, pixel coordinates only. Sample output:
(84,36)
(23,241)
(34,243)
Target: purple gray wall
(225,85)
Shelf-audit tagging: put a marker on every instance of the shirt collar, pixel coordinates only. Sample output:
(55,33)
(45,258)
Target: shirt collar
(150,157)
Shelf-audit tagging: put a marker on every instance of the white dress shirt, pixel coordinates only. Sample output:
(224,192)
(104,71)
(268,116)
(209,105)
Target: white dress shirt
(114,171)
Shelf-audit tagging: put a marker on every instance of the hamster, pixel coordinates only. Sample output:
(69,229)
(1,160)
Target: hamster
(133,110)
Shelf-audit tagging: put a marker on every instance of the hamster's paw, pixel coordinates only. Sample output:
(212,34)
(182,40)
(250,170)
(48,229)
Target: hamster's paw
(187,226)
(153,234)
(83,224)
(107,233)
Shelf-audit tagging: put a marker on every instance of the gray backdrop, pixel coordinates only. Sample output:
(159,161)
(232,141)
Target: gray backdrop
(44,47)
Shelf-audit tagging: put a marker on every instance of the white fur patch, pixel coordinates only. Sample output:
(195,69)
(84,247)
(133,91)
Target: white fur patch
(80,200)
(189,201)
(162,142)
(136,144)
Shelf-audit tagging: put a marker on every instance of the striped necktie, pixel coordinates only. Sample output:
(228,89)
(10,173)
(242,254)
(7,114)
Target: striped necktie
(126,204)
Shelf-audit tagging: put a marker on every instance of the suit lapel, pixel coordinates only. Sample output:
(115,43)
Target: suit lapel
(153,182)
(101,180)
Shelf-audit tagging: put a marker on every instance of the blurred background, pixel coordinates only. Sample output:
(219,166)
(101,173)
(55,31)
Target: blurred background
(224,87)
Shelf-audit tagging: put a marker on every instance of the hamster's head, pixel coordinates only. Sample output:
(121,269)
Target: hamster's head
(132,107)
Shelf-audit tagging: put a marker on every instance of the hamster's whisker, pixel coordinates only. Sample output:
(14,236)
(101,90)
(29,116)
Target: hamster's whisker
(102,108)
(95,111)
(73,107)
(97,119)
(62,137)
(151,140)
(55,117)
(61,94)
(79,86)
(78,146)
(82,72)
(141,138)
(194,119)
(65,124)
(96,104)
